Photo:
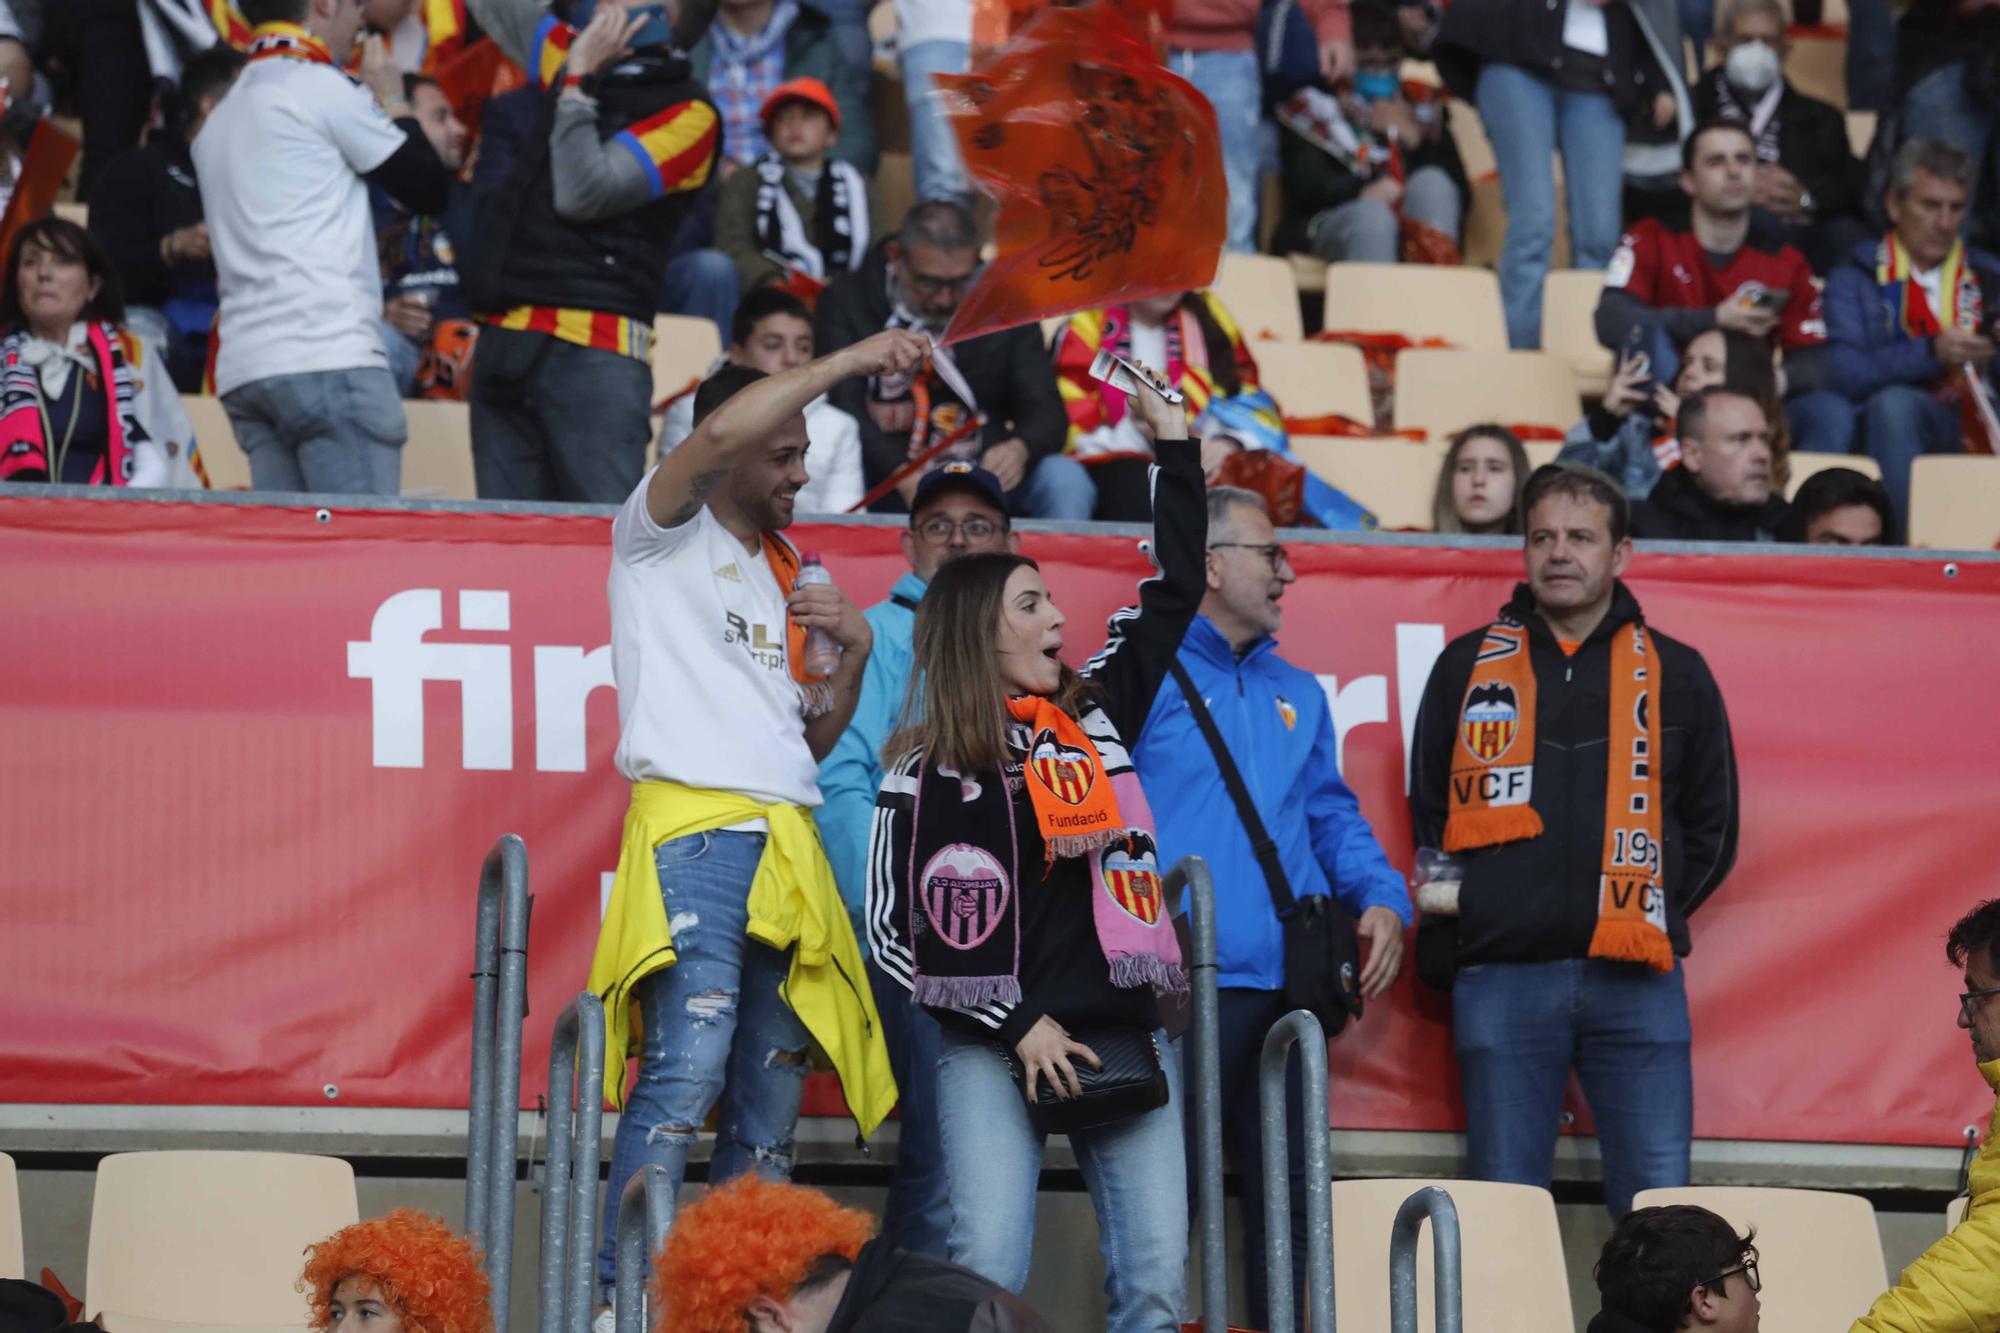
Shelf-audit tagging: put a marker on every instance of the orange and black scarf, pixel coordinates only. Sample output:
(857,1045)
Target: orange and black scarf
(1490,796)
(784,561)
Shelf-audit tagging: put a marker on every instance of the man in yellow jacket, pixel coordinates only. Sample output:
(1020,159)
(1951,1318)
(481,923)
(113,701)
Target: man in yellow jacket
(1954,1286)
(726,952)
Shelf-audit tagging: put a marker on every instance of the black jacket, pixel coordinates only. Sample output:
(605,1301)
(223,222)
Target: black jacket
(140,196)
(894,1291)
(1529,34)
(1536,899)
(1008,372)
(1678,510)
(1812,145)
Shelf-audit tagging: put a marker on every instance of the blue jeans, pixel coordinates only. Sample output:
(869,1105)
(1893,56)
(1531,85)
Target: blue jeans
(1519,1028)
(703,283)
(1821,422)
(917,1216)
(1939,107)
(1897,424)
(716,1031)
(1367,231)
(337,432)
(1527,118)
(1056,487)
(555,421)
(940,172)
(1133,1168)
(405,358)
(1232,85)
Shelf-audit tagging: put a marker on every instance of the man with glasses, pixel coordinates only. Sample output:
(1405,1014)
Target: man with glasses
(1954,1286)
(1002,383)
(1676,1268)
(1275,722)
(957,510)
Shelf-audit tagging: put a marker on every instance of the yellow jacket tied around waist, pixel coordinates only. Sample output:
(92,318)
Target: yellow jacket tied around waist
(794,904)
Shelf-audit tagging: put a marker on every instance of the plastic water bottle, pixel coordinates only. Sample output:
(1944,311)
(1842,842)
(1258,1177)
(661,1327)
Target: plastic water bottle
(822,653)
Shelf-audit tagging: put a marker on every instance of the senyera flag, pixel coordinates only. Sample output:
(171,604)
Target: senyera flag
(1106,166)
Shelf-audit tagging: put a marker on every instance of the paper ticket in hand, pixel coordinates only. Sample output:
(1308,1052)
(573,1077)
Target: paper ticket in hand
(1126,376)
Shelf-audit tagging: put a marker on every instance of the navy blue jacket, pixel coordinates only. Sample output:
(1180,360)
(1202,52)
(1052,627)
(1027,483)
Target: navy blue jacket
(1867,346)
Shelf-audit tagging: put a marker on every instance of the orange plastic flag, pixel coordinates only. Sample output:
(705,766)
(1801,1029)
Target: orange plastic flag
(43,169)
(1106,166)
(995,21)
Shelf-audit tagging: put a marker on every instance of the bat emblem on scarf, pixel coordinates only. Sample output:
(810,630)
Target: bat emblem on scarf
(1492,716)
(1132,878)
(1065,771)
(964,891)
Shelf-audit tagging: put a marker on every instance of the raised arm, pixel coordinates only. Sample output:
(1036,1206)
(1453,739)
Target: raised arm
(686,477)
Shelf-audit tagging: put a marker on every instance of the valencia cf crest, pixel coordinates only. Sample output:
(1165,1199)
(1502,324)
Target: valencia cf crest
(1492,716)
(1064,770)
(1132,878)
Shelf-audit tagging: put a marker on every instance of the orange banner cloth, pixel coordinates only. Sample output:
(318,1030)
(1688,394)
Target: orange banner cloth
(1106,166)
(43,167)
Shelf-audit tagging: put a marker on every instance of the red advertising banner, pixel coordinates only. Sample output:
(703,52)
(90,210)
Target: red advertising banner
(251,757)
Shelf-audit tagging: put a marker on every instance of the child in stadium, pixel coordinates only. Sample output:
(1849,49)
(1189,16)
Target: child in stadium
(1479,484)
(405,1272)
(1014,888)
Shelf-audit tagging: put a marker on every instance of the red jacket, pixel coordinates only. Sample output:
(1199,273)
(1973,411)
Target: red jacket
(1231,25)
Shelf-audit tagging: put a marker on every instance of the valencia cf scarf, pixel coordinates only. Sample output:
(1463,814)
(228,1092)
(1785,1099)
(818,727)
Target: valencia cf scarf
(838,235)
(1493,772)
(1957,288)
(784,562)
(287,41)
(964,873)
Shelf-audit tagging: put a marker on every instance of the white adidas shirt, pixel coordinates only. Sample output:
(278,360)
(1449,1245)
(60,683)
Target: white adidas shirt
(698,632)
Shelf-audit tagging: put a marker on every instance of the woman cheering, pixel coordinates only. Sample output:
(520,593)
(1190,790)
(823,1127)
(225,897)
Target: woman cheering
(1014,888)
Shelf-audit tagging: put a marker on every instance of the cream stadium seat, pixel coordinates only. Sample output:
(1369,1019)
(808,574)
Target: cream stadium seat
(1514,1277)
(1540,452)
(1817,67)
(1459,305)
(1393,478)
(12,1263)
(1955,502)
(209,1239)
(1803,463)
(1316,380)
(437,458)
(1819,1253)
(1440,392)
(1860,132)
(1569,327)
(227,467)
(1954,1212)
(74,212)
(1259,294)
(684,347)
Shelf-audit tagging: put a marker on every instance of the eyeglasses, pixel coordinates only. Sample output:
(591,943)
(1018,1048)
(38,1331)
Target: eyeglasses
(1966,1001)
(1275,553)
(937,531)
(932,285)
(1748,1268)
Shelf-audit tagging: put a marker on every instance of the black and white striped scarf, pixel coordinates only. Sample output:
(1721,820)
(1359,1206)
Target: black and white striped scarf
(839,235)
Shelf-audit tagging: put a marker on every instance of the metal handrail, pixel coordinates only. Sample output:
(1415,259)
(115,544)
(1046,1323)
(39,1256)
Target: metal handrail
(499,1007)
(645,1216)
(576,1137)
(1447,1289)
(1205,1033)
(1298,1028)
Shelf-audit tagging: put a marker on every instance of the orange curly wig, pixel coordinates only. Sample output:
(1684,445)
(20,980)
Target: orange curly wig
(431,1276)
(751,1237)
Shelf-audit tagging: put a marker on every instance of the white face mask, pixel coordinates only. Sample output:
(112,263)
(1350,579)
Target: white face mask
(1752,68)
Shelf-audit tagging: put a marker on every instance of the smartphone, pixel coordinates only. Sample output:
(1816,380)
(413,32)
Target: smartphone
(1126,377)
(1637,339)
(1770,298)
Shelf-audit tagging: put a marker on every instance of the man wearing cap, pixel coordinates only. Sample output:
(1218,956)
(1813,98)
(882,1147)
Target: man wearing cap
(795,210)
(959,509)
(566,266)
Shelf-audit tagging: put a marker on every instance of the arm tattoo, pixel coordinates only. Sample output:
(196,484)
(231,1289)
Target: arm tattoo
(700,488)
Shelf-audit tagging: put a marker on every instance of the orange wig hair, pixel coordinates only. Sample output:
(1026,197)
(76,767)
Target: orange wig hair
(751,1237)
(430,1276)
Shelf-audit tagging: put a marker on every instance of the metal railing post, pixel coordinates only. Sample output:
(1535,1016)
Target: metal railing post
(1205,1033)
(499,1006)
(1447,1289)
(645,1216)
(569,1200)
(1298,1028)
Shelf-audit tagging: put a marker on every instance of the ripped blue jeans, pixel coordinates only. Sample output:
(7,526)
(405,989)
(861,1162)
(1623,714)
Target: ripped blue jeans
(718,1037)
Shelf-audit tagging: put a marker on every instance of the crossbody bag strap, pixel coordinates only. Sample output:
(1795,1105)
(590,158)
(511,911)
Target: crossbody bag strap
(1253,823)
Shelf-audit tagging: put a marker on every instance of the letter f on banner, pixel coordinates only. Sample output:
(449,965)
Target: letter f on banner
(396,659)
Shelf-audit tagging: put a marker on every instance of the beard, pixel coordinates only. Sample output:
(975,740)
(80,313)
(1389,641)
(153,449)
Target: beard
(929,321)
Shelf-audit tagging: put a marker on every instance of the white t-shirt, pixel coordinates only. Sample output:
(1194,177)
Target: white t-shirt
(280,161)
(705,692)
(1584,28)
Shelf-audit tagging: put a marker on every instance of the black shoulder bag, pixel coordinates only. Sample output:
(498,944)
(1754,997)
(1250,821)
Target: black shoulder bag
(1322,956)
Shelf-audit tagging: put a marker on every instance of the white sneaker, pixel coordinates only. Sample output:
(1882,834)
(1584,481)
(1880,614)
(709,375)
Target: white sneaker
(605,1322)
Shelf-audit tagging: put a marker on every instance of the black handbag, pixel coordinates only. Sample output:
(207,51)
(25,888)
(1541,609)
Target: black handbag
(1322,956)
(1131,1080)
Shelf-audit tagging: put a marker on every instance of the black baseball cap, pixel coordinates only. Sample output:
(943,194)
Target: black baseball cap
(969,478)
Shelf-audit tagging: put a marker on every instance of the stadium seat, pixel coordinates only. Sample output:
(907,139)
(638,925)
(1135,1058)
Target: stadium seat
(684,347)
(1817,67)
(1819,1252)
(1955,502)
(437,458)
(1803,463)
(1569,327)
(895,189)
(1393,478)
(1316,379)
(209,1239)
(227,467)
(1440,392)
(1459,305)
(12,1263)
(74,212)
(1540,452)
(1860,131)
(1259,294)
(1514,1277)
(1954,1212)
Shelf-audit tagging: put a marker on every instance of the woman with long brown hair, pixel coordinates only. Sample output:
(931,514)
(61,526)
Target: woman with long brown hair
(1013,886)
